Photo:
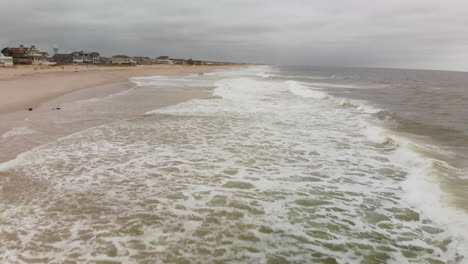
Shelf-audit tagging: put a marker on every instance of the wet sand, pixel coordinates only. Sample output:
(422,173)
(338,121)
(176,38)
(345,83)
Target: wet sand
(29,86)
(47,91)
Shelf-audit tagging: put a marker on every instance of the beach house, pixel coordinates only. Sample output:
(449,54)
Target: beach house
(143,60)
(122,59)
(77,57)
(63,58)
(86,57)
(179,61)
(24,55)
(105,60)
(5,61)
(164,60)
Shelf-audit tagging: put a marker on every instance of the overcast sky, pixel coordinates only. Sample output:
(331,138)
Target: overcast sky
(429,34)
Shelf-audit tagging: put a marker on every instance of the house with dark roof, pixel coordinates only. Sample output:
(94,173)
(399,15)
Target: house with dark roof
(63,58)
(27,56)
(179,61)
(77,57)
(143,60)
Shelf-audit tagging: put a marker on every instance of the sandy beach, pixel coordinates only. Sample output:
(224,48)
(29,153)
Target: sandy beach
(29,86)
(48,88)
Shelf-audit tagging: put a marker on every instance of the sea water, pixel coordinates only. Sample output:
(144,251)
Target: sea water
(282,165)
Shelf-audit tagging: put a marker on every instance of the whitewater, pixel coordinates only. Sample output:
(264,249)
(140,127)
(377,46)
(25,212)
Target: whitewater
(276,167)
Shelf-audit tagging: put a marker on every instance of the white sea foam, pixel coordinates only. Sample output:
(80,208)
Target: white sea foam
(256,166)
(304,91)
(363,106)
(264,75)
(376,134)
(422,187)
(166,81)
(18,131)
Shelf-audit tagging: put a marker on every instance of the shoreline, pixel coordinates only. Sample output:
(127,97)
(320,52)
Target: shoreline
(29,86)
(21,131)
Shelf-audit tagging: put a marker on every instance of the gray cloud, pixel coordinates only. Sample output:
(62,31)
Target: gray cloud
(399,33)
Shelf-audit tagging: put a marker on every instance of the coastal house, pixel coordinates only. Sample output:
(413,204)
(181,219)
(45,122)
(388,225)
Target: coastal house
(5,61)
(143,60)
(63,58)
(179,61)
(122,60)
(87,57)
(164,60)
(26,56)
(105,60)
(77,57)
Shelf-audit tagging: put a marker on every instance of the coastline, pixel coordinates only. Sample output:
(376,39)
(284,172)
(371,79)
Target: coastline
(29,86)
(23,130)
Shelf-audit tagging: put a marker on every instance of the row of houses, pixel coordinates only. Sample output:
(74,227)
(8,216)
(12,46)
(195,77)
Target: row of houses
(77,57)
(32,56)
(25,55)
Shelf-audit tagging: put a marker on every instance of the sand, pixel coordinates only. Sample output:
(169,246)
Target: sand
(48,88)
(29,86)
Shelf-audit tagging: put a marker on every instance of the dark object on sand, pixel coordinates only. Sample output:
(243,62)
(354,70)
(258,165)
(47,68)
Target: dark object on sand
(29,109)
(57,108)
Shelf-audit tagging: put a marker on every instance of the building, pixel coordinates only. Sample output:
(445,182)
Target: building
(77,57)
(63,58)
(86,57)
(164,60)
(26,56)
(122,59)
(5,61)
(105,60)
(143,60)
(179,61)
(46,58)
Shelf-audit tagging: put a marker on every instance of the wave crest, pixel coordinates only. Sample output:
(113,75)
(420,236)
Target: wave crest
(304,91)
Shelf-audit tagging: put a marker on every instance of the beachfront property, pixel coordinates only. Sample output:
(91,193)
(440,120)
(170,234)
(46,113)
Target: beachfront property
(179,61)
(143,60)
(77,57)
(105,60)
(5,61)
(164,60)
(27,56)
(123,60)
(87,57)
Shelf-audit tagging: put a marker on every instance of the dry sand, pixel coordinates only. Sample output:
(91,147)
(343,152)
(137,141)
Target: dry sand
(47,88)
(28,86)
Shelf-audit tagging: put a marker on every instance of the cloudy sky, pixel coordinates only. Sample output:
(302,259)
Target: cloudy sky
(429,34)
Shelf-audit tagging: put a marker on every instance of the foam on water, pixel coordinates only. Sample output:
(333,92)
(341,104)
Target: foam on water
(170,81)
(18,131)
(304,91)
(264,75)
(258,174)
(422,190)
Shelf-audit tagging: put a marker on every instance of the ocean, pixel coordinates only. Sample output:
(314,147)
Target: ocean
(280,165)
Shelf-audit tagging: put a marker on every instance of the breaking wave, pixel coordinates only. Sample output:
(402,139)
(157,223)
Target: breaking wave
(304,91)
(257,174)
